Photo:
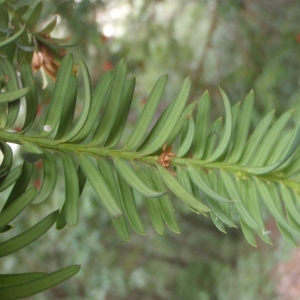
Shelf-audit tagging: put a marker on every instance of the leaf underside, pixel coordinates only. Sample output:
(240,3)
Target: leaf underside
(222,168)
(216,168)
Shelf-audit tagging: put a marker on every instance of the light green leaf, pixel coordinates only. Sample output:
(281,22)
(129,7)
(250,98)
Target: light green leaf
(98,99)
(287,235)
(188,185)
(212,138)
(242,129)
(166,206)
(186,114)
(61,220)
(290,150)
(121,227)
(145,118)
(249,194)
(152,203)
(256,138)
(244,214)
(129,205)
(236,111)
(290,198)
(267,145)
(215,206)
(280,149)
(265,192)
(112,106)
(218,212)
(14,95)
(133,179)
(226,135)
(108,173)
(100,186)
(180,192)
(185,180)
(201,131)
(160,133)
(218,223)
(187,139)
(248,233)
(199,177)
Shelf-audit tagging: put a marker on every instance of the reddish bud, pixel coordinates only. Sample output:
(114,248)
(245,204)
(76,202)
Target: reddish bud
(107,66)
(37,183)
(39,164)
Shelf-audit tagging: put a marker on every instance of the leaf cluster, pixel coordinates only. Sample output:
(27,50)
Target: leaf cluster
(218,168)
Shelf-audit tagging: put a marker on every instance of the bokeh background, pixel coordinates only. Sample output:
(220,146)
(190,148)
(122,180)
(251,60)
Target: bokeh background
(238,45)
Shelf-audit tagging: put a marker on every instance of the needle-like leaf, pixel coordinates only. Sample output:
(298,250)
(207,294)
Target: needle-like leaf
(143,123)
(161,132)
(133,179)
(38,285)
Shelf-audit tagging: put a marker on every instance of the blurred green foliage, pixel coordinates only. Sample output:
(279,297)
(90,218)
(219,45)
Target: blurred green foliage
(238,45)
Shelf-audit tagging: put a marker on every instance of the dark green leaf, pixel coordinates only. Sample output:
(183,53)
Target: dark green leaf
(38,285)
(12,38)
(100,186)
(13,210)
(7,159)
(49,178)
(98,99)
(21,184)
(71,190)
(61,91)
(31,97)
(129,205)
(10,178)
(112,106)
(120,122)
(33,13)
(29,236)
